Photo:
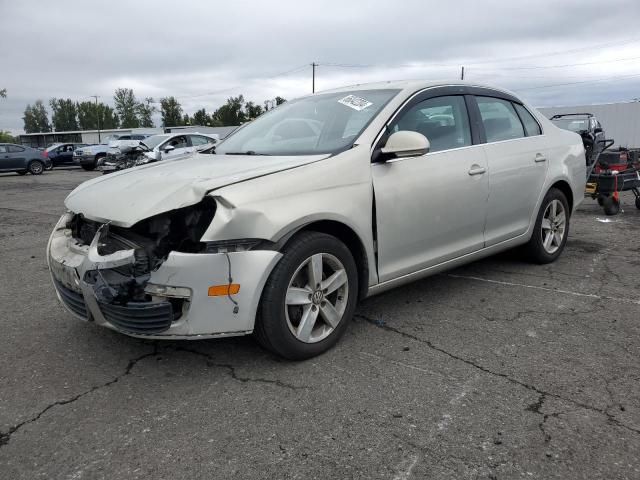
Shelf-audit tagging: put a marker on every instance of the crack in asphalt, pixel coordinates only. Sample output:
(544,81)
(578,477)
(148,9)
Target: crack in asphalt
(233,374)
(535,408)
(5,437)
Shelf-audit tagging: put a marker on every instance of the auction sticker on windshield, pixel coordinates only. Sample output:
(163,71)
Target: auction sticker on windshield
(354,102)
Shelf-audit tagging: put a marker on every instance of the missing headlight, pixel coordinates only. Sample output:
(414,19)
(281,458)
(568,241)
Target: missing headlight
(230,246)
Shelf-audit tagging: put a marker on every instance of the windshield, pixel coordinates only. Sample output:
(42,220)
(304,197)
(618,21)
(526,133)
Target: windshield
(325,123)
(153,141)
(572,124)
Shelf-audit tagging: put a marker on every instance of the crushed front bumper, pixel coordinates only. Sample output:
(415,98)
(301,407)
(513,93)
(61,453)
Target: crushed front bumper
(178,305)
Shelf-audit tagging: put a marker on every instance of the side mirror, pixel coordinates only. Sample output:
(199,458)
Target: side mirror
(597,130)
(168,148)
(405,143)
(157,155)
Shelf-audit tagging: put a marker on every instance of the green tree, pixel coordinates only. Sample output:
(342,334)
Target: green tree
(92,116)
(36,118)
(6,137)
(171,112)
(127,107)
(280,100)
(252,110)
(64,114)
(146,110)
(201,118)
(3,93)
(232,112)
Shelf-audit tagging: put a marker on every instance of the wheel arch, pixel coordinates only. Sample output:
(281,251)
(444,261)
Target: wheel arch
(565,188)
(346,235)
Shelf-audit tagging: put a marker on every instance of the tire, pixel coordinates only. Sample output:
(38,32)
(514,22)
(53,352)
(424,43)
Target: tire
(89,167)
(36,167)
(638,203)
(540,249)
(49,167)
(280,325)
(600,200)
(611,206)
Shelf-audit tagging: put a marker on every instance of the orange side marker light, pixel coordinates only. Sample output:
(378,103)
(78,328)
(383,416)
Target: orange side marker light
(224,290)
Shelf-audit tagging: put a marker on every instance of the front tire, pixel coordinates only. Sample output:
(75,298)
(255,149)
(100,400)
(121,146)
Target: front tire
(36,167)
(310,297)
(551,229)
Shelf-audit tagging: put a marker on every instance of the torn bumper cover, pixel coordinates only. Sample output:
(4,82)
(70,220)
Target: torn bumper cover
(121,283)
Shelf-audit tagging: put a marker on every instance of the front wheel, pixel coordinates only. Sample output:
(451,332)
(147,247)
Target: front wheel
(36,167)
(309,298)
(551,229)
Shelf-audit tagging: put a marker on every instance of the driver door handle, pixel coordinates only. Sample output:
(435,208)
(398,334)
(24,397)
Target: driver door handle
(477,170)
(540,158)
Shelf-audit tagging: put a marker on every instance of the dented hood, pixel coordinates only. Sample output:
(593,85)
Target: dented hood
(126,197)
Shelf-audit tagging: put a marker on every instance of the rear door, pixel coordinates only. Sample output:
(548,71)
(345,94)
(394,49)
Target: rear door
(517,158)
(431,208)
(16,157)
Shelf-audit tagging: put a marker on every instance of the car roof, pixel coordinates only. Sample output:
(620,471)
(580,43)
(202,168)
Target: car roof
(414,85)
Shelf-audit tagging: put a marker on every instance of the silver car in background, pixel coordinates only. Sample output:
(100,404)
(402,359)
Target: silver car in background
(316,204)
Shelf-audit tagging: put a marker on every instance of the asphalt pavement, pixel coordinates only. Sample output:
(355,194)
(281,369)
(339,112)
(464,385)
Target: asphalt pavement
(497,370)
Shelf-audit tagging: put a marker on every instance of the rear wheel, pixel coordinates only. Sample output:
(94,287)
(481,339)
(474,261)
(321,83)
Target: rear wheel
(551,229)
(611,205)
(309,298)
(36,167)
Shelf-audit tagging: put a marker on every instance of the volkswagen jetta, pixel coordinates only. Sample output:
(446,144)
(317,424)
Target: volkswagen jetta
(316,204)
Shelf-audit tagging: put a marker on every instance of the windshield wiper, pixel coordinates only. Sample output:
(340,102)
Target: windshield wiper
(248,152)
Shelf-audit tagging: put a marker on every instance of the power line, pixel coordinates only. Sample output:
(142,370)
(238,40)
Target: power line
(216,92)
(538,67)
(610,79)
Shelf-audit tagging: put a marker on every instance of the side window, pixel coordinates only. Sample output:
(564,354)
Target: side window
(3,149)
(531,127)
(15,149)
(499,119)
(443,120)
(197,140)
(178,142)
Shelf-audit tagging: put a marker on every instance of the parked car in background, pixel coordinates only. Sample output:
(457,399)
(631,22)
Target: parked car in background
(62,153)
(87,157)
(22,159)
(169,146)
(588,127)
(312,206)
(125,143)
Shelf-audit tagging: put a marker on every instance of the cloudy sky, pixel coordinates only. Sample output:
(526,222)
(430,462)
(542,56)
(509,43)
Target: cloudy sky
(551,52)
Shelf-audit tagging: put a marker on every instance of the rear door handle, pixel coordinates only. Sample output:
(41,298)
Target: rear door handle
(540,158)
(477,170)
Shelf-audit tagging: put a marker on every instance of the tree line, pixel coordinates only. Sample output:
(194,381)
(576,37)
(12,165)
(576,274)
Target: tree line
(130,112)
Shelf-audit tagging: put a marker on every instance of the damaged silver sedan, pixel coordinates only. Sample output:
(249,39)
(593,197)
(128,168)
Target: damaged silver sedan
(316,204)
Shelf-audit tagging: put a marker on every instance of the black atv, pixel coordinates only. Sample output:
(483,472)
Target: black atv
(588,127)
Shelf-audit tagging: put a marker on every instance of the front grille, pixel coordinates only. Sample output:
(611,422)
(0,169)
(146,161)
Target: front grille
(139,317)
(72,300)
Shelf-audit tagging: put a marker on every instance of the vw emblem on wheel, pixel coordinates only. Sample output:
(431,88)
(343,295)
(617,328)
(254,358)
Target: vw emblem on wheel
(317,297)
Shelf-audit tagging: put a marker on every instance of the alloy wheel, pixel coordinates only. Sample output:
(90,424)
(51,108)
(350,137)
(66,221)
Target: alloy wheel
(316,298)
(554,224)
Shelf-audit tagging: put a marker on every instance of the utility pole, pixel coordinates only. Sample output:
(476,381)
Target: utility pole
(462,73)
(97,117)
(313,77)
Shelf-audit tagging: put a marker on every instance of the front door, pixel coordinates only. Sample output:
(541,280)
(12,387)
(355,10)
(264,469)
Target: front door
(431,208)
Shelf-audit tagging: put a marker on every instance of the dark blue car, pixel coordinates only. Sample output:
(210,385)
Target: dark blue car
(62,153)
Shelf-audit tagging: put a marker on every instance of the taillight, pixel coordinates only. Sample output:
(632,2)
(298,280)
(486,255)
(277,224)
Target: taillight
(44,154)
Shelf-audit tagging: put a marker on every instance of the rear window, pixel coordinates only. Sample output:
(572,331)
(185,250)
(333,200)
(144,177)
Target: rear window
(15,149)
(500,119)
(531,126)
